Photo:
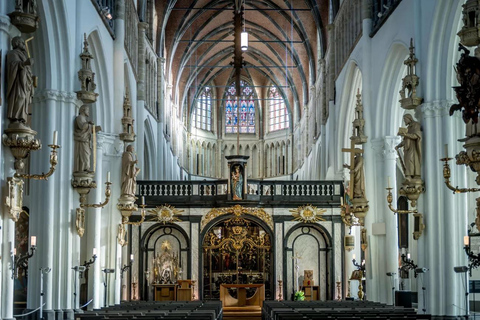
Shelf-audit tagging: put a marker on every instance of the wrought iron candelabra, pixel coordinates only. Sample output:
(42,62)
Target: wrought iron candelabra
(358,265)
(473,259)
(21,261)
(408,264)
(88,263)
(126,267)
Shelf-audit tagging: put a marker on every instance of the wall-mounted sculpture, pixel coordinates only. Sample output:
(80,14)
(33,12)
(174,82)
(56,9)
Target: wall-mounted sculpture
(408,93)
(128,134)
(25,16)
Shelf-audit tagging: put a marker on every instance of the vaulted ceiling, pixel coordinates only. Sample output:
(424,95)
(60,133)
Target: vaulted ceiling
(286,40)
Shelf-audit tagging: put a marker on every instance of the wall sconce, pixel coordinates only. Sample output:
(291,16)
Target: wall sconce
(419,226)
(474,259)
(106,13)
(88,263)
(21,261)
(84,191)
(21,147)
(409,264)
(126,267)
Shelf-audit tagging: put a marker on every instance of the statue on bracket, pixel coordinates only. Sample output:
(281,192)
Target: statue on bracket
(237,183)
(20,83)
(412,159)
(129,172)
(83,132)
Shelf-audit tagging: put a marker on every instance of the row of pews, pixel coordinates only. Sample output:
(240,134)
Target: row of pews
(155,310)
(336,310)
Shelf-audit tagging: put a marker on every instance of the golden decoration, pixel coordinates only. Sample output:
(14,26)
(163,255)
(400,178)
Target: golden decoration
(165,214)
(237,211)
(308,214)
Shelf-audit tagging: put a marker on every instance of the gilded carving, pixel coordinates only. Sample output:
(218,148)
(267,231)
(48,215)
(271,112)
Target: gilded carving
(237,211)
(14,200)
(166,214)
(80,221)
(308,214)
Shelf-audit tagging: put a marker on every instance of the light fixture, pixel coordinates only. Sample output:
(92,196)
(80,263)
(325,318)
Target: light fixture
(474,259)
(244,34)
(244,40)
(106,13)
(21,261)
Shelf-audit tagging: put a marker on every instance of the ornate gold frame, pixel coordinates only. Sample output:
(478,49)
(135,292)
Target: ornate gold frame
(237,210)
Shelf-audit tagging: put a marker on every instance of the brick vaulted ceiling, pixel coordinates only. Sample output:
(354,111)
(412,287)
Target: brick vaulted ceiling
(286,40)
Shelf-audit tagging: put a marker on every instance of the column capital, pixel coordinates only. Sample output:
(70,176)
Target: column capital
(436,108)
(56,95)
(109,144)
(385,147)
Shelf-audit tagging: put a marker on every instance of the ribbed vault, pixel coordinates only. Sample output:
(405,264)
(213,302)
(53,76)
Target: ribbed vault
(286,40)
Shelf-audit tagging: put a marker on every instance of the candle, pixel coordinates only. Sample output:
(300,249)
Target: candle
(131,257)
(55,137)
(388,182)
(363,262)
(33,241)
(94,251)
(143,200)
(408,256)
(14,251)
(108,176)
(353,256)
(466,240)
(446,150)
(341,201)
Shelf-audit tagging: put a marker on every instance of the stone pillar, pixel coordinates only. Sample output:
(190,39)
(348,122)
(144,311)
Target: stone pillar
(118,65)
(391,229)
(141,87)
(94,232)
(8,243)
(441,245)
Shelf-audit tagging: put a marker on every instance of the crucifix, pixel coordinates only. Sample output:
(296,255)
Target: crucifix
(297,267)
(353,151)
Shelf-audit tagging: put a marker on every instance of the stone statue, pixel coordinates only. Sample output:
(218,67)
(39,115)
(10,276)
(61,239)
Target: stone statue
(412,148)
(129,172)
(82,134)
(20,82)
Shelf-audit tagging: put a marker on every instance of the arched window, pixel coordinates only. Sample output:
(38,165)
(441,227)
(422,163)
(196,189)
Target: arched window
(278,115)
(202,114)
(246,112)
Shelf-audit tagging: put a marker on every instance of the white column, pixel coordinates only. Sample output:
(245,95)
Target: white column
(93,230)
(141,87)
(391,230)
(118,65)
(444,218)
(8,243)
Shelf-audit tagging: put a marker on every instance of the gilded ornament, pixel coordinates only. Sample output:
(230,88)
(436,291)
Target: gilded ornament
(166,214)
(308,214)
(237,211)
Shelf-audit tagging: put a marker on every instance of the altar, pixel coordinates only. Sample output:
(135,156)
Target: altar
(165,292)
(242,306)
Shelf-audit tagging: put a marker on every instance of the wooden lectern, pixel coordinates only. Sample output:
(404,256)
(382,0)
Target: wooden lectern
(184,290)
(242,307)
(165,292)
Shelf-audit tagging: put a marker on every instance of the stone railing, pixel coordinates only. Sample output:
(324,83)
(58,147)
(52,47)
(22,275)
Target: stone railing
(131,34)
(267,193)
(348,30)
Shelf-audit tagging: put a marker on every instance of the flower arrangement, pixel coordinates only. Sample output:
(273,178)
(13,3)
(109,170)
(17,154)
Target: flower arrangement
(299,296)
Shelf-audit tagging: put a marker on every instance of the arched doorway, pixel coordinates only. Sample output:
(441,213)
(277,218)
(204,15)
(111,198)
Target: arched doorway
(236,248)
(151,244)
(312,241)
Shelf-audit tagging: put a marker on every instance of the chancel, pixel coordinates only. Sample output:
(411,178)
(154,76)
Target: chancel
(239,159)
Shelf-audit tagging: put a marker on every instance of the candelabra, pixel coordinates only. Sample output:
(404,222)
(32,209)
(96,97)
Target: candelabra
(20,148)
(88,263)
(339,291)
(461,159)
(473,259)
(390,200)
(126,267)
(21,261)
(280,290)
(193,289)
(83,190)
(408,264)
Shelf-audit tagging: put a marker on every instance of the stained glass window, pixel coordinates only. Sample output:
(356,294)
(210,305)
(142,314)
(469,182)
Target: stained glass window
(246,112)
(278,115)
(202,114)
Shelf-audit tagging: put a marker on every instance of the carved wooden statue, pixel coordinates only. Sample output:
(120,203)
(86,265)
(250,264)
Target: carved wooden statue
(129,172)
(412,148)
(20,82)
(83,134)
